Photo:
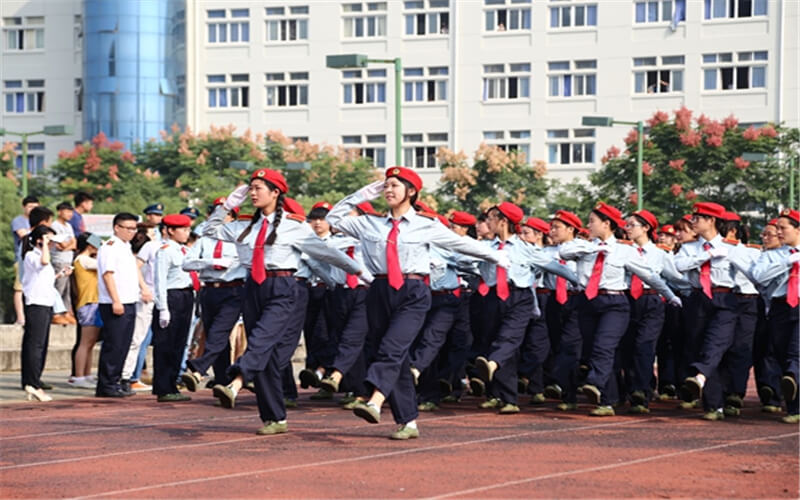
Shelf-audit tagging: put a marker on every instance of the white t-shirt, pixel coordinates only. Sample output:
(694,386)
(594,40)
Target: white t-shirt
(147,254)
(38,280)
(64,233)
(116,256)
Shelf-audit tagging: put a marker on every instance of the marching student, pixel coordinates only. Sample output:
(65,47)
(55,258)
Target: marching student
(669,349)
(602,266)
(218,267)
(779,274)
(396,252)
(174,303)
(271,246)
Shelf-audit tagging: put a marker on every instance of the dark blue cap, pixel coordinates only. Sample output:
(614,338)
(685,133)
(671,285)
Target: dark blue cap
(191,212)
(155,208)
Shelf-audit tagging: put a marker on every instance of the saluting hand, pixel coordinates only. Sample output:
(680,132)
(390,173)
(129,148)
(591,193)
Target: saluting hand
(236,197)
(372,191)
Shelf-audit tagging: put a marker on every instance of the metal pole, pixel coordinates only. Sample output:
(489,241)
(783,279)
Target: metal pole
(791,183)
(24,165)
(639,158)
(398,110)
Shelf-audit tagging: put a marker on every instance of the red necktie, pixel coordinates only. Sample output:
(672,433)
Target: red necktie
(561,287)
(705,274)
(637,288)
(597,272)
(792,285)
(502,279)
(218,253)
(394,273)
(257,270)
(192,274)
(352,279)
(483,288)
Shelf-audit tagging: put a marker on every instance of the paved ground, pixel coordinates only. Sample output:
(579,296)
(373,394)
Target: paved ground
(137,448)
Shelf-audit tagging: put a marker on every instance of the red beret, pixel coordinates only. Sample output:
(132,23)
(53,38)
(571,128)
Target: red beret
(791,214)
(611,212)
(443,220)
(773,222)
(569,219)
(177,220)
(583,231)
(322,204)
(422,207)
(730,216)
(219,201)
(291,206)
(511,211)
(272,176)
(406,174)
(710,209)
(667,229)
(246,217)
(687,218)
(463,219)
(367,208)
(538,224)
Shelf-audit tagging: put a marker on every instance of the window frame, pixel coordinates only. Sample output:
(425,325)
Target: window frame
(709,6)
(227,21)
(283,21)
(380,16)
(427,12)
(735,64)
(574,143)
(229,85)
(378,84)
(494,81)
(368,146)
(659,67)
(575,75)
(25,32)
(425,83)
(289,82)
(428,145)
(508,143)
(494,7)
(28,93)
(560,6)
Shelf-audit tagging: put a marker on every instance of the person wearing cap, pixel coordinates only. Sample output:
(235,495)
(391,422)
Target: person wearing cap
(561,313)
(667,237)
(778,271)
(119,285)
(86,305)
(710,265)
(271,246)
(154,213)
(62,256)
(190,212)
(174,303)
(647,311)
(535,348)
(509,307)
(396,252)
(220,298)
(603,264)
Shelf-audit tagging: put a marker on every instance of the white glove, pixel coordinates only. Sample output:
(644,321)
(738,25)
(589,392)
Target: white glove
(366,277)
(718,252)
(222,262)
(372,191)
(236,197)
(503,260)
(163,318)
(795,257)
(675,301)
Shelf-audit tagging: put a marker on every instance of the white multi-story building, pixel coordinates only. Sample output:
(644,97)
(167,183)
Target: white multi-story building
(516,73)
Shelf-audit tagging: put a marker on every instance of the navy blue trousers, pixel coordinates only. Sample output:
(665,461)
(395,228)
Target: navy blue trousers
(536,347)
(765,365)
(738,360)
(506,320)
(783,328)
(347,323)
(638,347)
(286,347)
(669,349)
(603,322)
(220,309)
(34,343)
(268,312)
(395,318)
(169,343)
(425,352)
(117,334)
(320,348)
(457,347)
(566,342)
(479,325)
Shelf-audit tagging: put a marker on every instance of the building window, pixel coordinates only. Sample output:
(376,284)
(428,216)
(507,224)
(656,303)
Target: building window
(421,153)
(374,147)
(78,95)
(572,78)
(35,157)
(283,26)
(425,84)
(725,9)
(287,89)
(506,15)
(506,81)
(27,35)
(360,90)
(427,17)
(24,96)
(570,147)
(514,140)
(228,91)
(77,32)
(657,11)
(747,71)
(228,25)
(364,20)
(573,16)
(650,77)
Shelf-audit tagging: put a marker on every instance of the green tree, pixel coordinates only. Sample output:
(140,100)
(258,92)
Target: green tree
(10,207)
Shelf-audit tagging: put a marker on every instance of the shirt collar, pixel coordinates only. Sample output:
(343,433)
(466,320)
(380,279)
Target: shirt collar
(408,216)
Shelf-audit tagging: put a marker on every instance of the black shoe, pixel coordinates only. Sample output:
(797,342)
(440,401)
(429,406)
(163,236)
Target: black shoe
(477,387)
(789,387)
(45,386)
(766,394)
(553,391)
(445,387)
(125,387)
(638,398)
(522,385)
(734,401)
(110,394)
(308,378)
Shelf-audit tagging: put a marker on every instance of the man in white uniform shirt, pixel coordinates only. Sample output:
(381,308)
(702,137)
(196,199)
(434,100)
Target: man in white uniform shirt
(118,287)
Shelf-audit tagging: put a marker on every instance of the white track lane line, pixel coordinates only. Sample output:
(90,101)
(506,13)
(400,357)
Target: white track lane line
(257,472)
(612,466)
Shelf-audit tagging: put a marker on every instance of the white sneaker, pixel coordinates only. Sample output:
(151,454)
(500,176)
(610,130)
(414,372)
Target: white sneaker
(83,383)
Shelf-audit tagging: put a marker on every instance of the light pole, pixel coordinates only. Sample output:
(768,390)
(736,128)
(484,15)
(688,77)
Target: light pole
(346,61)
(764,157)
(607,121)
(47,130)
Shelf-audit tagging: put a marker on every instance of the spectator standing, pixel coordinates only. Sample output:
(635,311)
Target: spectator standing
(86,305)
(20,227)
(62,256)
(84,202)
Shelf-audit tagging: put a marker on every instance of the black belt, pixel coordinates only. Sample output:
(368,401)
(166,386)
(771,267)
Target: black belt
(716,289)
(747,295)
(223,284)
(444,292)
(543,291)
(409,276)
(603,291)
(358,287)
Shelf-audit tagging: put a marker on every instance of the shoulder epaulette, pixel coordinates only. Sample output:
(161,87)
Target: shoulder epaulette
(376,214)
(165,245)
(110,242)
(427,215)
(295,217)
(730,241)
(625,242)
(663,247)
(753,245)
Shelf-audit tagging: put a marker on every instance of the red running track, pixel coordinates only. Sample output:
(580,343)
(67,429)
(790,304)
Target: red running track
(137,448)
